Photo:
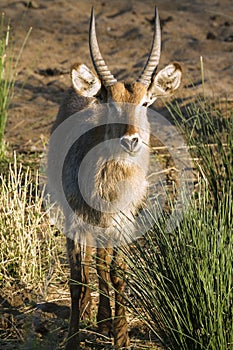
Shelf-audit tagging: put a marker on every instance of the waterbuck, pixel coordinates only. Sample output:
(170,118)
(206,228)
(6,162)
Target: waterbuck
(109,186)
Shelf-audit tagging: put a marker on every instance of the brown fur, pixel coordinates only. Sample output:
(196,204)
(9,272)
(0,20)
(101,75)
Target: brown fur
(107,177)
(119,182)
(119,93)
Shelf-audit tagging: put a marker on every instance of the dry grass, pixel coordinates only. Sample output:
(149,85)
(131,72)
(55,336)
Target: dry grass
(30,246)
(32,261)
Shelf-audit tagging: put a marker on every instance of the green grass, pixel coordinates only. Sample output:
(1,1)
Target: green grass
(209,134)
(183,280)
(8,72)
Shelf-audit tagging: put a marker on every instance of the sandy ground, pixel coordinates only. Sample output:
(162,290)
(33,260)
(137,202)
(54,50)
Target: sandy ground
(59,38)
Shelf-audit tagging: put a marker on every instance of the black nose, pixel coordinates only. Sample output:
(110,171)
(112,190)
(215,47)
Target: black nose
(130,143)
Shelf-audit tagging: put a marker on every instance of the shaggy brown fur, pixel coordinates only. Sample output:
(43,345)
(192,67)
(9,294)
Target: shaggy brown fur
(115,177)
(108,176)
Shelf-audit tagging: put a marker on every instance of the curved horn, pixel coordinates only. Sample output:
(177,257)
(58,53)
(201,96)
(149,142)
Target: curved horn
(98,62)
(153,59)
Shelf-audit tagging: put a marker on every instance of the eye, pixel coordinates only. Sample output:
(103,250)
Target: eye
(145,104)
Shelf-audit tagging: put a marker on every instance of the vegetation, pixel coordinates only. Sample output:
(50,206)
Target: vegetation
(8,72)
(33,262)
(183,280)
(29,246)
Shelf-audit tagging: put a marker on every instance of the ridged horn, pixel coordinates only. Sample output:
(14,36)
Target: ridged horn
(98,62)
(154,55)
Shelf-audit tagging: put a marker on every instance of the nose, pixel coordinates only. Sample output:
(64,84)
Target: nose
(131,143)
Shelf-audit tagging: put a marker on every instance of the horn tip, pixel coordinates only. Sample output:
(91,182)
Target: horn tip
(156,14)
(92,13)
(92,21)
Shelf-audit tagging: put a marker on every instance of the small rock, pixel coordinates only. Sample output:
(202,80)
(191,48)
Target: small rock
(229,39)
(227,24)
(215,24)
(210,36)
(51,72)
(31,4)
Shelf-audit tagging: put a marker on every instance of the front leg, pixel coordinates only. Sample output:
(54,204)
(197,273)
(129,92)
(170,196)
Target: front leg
(85,304)
(78,291)
(104,316)
(118,267)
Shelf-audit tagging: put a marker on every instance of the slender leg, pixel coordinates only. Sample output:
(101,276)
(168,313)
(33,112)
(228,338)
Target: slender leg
(104,316)
(118,267)
(85,305)
(74,254)
(80,293)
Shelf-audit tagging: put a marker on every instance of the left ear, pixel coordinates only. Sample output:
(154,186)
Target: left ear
(165,82)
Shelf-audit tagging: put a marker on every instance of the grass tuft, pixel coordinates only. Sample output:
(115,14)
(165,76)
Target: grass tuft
(8,72)
(30,246)
(183,280)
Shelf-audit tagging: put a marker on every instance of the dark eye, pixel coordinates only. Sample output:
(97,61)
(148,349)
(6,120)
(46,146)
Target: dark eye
(144,104)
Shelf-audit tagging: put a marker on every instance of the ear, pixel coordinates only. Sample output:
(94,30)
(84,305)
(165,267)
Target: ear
(84,81)
(165,82)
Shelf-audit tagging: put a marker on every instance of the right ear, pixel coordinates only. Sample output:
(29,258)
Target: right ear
(84,81)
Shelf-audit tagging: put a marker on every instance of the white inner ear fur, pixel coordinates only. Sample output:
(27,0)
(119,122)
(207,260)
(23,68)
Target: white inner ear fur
(85,81)
(164,83)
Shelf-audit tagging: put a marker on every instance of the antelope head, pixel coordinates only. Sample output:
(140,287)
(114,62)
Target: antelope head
(104,87)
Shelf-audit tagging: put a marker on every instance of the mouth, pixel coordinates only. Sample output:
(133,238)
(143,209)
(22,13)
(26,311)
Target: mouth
(131,153)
